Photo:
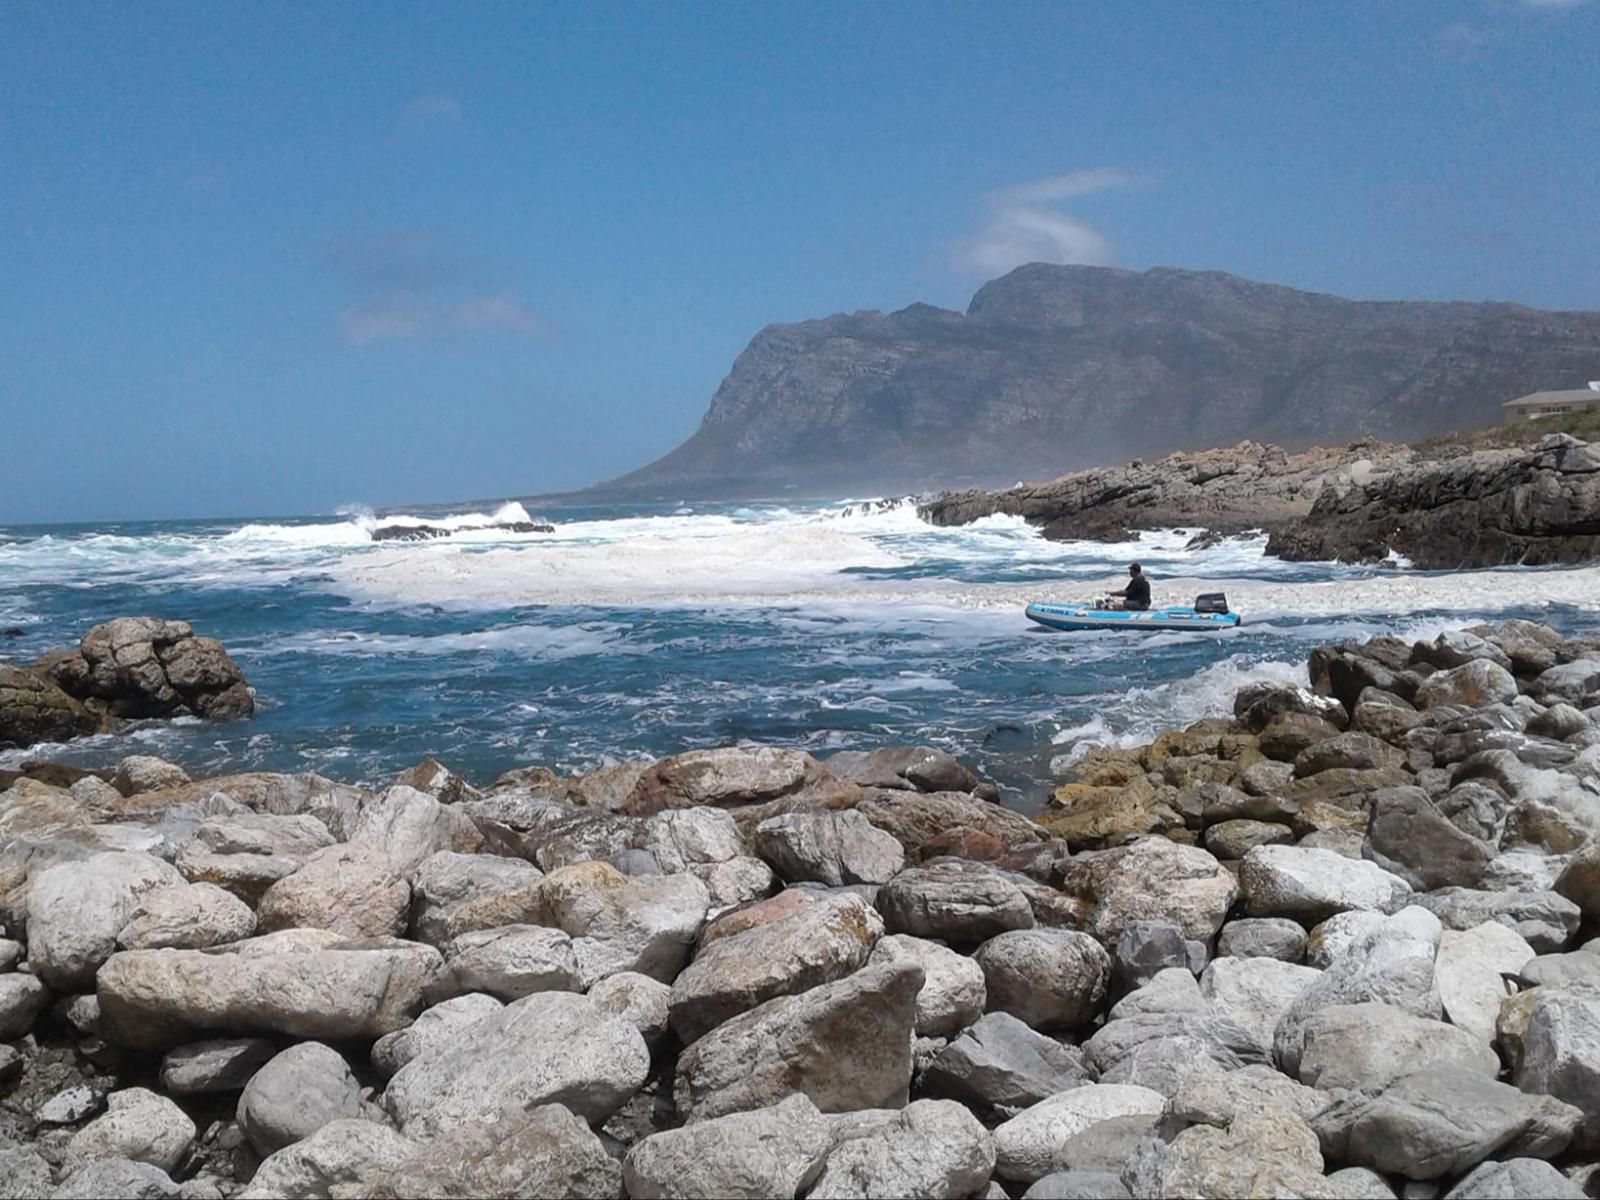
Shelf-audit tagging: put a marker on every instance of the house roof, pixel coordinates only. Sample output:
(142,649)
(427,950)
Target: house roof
(1570,396)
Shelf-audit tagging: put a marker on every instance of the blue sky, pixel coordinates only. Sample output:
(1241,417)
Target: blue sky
(270,259)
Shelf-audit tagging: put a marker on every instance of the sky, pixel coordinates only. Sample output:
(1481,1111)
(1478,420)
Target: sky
(275,259)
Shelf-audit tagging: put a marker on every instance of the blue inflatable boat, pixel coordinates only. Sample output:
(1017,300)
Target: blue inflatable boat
(1209,612)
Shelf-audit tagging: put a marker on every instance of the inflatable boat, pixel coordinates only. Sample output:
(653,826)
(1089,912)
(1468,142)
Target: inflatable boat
(1209,612)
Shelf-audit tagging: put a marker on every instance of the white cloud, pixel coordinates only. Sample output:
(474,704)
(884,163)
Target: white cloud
(1025,224)
(1462,35)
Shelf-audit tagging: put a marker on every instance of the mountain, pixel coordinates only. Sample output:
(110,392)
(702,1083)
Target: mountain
(1054,367)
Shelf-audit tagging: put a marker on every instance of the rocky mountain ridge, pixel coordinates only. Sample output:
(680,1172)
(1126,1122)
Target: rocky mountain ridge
(1055,367)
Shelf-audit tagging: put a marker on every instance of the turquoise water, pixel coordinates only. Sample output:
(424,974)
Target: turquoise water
(644,631)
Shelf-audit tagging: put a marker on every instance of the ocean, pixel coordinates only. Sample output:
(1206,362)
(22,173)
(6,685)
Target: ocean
(644,630)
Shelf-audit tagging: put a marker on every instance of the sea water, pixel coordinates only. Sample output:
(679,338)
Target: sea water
(640,631)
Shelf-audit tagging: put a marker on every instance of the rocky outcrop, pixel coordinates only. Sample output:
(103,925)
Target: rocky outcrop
(1055,367)
(428,533)
(1478,510)
(130,667)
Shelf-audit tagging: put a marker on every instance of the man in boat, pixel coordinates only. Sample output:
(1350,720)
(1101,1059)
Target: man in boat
(1136,596)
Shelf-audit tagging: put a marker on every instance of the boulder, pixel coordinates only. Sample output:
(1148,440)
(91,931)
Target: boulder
(548,1048)
(1523,871)
(22,999)
(338,1159)
(1232,840)
(1517,1179)
(1260,1151)
(447,882)
(513,961)
(998,1064)
(431,1029)
(1174,990)
(1290,734)
(76,910)
(733,778)
(218,1065)
(1257,704)
(146,773)
(1478,808)
(637,998)
(34,709)
(915,768)
(1075,1185)
(1350,751)
(817,943)
(24,1173)
(1545,919)
(1470,971)
(139,1126)
(846,1045)
(116,1177)
(304,984)
(1262,937)
(1311,885)
(929,1148)
(833,848)
(547,1150)
(917,818)
(1163,1050)
(1411,838)
(1047,978)
(1152,880)
(409,827)
(1255,992)
(1474,684)
(953,993)
(1573,682)
(147,667)
(776,1151)
(295,1094)
(246,853)
(1561,1052)
(1028,1146)
(616,923)
(1391,963)
(187,918)
(351,889)
(1579,881)
(1366,1046)
(432,778)
(1442,1121)
(954,901)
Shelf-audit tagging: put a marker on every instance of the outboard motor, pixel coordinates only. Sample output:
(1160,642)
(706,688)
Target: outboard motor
(1211,602)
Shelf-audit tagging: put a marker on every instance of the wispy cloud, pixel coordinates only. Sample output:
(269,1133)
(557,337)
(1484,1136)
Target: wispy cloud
(1463,35)
(1025,223)
(1552,4)
(407,286)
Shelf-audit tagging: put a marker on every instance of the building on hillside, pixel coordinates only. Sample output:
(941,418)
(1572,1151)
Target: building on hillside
(1548,404)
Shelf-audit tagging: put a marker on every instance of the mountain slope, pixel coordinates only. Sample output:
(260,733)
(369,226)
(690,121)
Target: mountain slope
(1057,367)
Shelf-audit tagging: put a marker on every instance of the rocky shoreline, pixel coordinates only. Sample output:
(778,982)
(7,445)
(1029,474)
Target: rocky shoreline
(1339,943)
(1442,508)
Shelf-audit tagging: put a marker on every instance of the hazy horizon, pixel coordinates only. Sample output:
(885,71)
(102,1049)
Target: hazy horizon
(265,261)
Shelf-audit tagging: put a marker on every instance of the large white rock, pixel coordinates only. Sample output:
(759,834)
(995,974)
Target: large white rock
(433,1028)
(410,826)
(1153,879)
(513,961)
(245,853)
(1368,1045)
(354,890)
(773,1151)
(187,918)
(1255,992)
(681,838)
(1027,1147)
(76,910)
(548,1048)
(1050,978)
(295,1094)
(953,992)
(1311,885)
(336,1160)
(1468,973)
(447,882)
(929,1148)
(832,848)
(303,983)
(617,923)
(138,1125)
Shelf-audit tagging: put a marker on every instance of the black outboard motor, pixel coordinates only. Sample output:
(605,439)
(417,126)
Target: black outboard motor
(1211,602)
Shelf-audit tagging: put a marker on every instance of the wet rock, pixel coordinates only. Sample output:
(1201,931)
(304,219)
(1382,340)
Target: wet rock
(1311,885)
(139,1126)
(815,944)
(1262,937)
(774,1151)
(338,1159)
(551,1047)
(1048,978)
(350,889)
(1367,1045)
(302,983)
(1028,1146)
(833,848)
(295,1094)
(219,1065)
(954,993)
(953,901)
(1442,1121)
(930,1148)
(999,1064)
(34,709)
(846,1045)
